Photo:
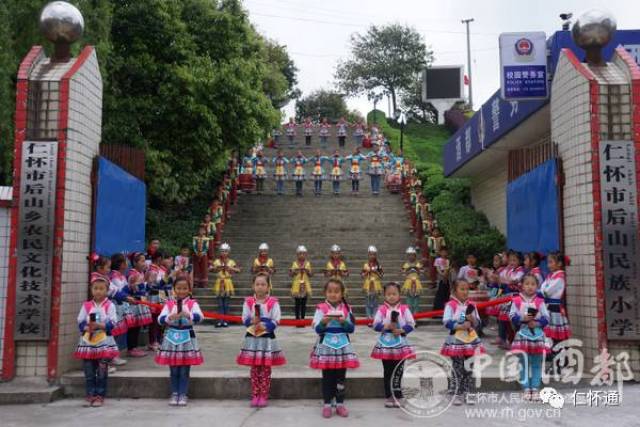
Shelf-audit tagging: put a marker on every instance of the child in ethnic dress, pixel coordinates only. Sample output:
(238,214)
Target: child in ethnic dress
(179,349)
(333,354)
(394,321)
(96,347)
(529,316)
(461,319)
(260,350)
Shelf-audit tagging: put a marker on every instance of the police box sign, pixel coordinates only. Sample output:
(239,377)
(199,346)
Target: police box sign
(523,66)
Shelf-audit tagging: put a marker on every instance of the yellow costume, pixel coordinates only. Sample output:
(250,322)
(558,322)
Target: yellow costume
(413,278)
(260,171)
(336,272)
(223,285)
(298,169)
(257,264)
(301,279)
(372,280)
(355,167)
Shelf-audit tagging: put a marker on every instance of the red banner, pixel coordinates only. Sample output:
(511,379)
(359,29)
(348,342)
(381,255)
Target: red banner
(307,322)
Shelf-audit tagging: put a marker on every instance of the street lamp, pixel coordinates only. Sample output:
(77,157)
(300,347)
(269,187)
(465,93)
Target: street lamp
(401,119)
(375,97)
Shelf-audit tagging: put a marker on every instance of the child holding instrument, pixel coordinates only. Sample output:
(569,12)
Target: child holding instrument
(412,287)
(529,316)
(461,318)
(336,267)
(180,348)
(333,353)
(223,287)
(262,263)
(301,273)
(260,350)
(96,345)
(372,286)
(394,321)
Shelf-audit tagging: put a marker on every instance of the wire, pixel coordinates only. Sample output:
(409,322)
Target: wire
(346,24)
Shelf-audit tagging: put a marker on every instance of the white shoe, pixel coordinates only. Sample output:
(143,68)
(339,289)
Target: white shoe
(183,400)
(173,400)
(117,361)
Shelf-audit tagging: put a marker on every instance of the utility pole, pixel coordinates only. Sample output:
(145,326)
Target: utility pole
(467,22)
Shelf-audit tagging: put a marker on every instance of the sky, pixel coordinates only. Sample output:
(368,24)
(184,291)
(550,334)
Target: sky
(317,33)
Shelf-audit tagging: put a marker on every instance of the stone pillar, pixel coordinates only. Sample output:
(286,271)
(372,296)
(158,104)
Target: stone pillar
(592,104)
(58,122)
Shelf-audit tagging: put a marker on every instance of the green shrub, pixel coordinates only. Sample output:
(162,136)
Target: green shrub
(465,230)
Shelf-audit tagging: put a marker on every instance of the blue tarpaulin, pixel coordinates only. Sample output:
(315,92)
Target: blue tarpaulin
(532,211)
(120,210)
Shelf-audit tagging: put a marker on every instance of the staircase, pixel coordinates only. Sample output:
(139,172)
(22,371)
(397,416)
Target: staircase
(286,221)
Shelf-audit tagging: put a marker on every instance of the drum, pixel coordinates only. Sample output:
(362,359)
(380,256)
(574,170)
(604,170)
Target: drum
(247,183)
(394,183)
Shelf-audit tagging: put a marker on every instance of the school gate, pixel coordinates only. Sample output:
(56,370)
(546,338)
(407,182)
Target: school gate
(568,167)
(47,220)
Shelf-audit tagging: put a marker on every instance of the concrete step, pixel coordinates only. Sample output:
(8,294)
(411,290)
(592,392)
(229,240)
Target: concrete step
(24,390)
(221,378)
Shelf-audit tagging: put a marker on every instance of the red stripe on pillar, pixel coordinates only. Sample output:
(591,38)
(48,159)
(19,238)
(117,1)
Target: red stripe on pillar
(22,89)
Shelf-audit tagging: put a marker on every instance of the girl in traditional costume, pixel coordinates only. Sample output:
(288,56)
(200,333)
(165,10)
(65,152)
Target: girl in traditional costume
(461,319)
(333,354)
(301,273)
(412,287)
(96,346)
(223,287)
(336,267)
(355,169)
(394,321)
(372,281)
(529,316)
(260,349)
(180,349)
(318,172)
(298,171)
(336,172)
(280,171)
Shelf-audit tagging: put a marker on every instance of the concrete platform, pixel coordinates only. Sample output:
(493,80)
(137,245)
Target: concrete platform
(220,377)
(29,390)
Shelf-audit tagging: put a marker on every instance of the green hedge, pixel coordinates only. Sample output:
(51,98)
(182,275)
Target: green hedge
(465,230)
(175,225)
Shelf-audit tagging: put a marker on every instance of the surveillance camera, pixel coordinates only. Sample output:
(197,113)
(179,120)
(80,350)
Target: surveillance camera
(565,16)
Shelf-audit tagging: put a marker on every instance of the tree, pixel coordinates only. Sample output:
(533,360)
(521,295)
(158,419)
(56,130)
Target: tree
(281,76)
(188,81)
(385,57)
(18,32)
(328,103)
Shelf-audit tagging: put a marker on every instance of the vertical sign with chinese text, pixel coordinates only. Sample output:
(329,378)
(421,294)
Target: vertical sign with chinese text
(523,66)
(34,249)
(620,239)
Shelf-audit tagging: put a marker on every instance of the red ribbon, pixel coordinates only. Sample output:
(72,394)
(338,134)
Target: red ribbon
(307,322)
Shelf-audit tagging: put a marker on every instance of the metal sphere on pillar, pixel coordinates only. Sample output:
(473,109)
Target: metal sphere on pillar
(62,24)
(592,31)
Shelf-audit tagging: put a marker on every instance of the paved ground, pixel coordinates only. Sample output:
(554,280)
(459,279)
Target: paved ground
(365,412)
